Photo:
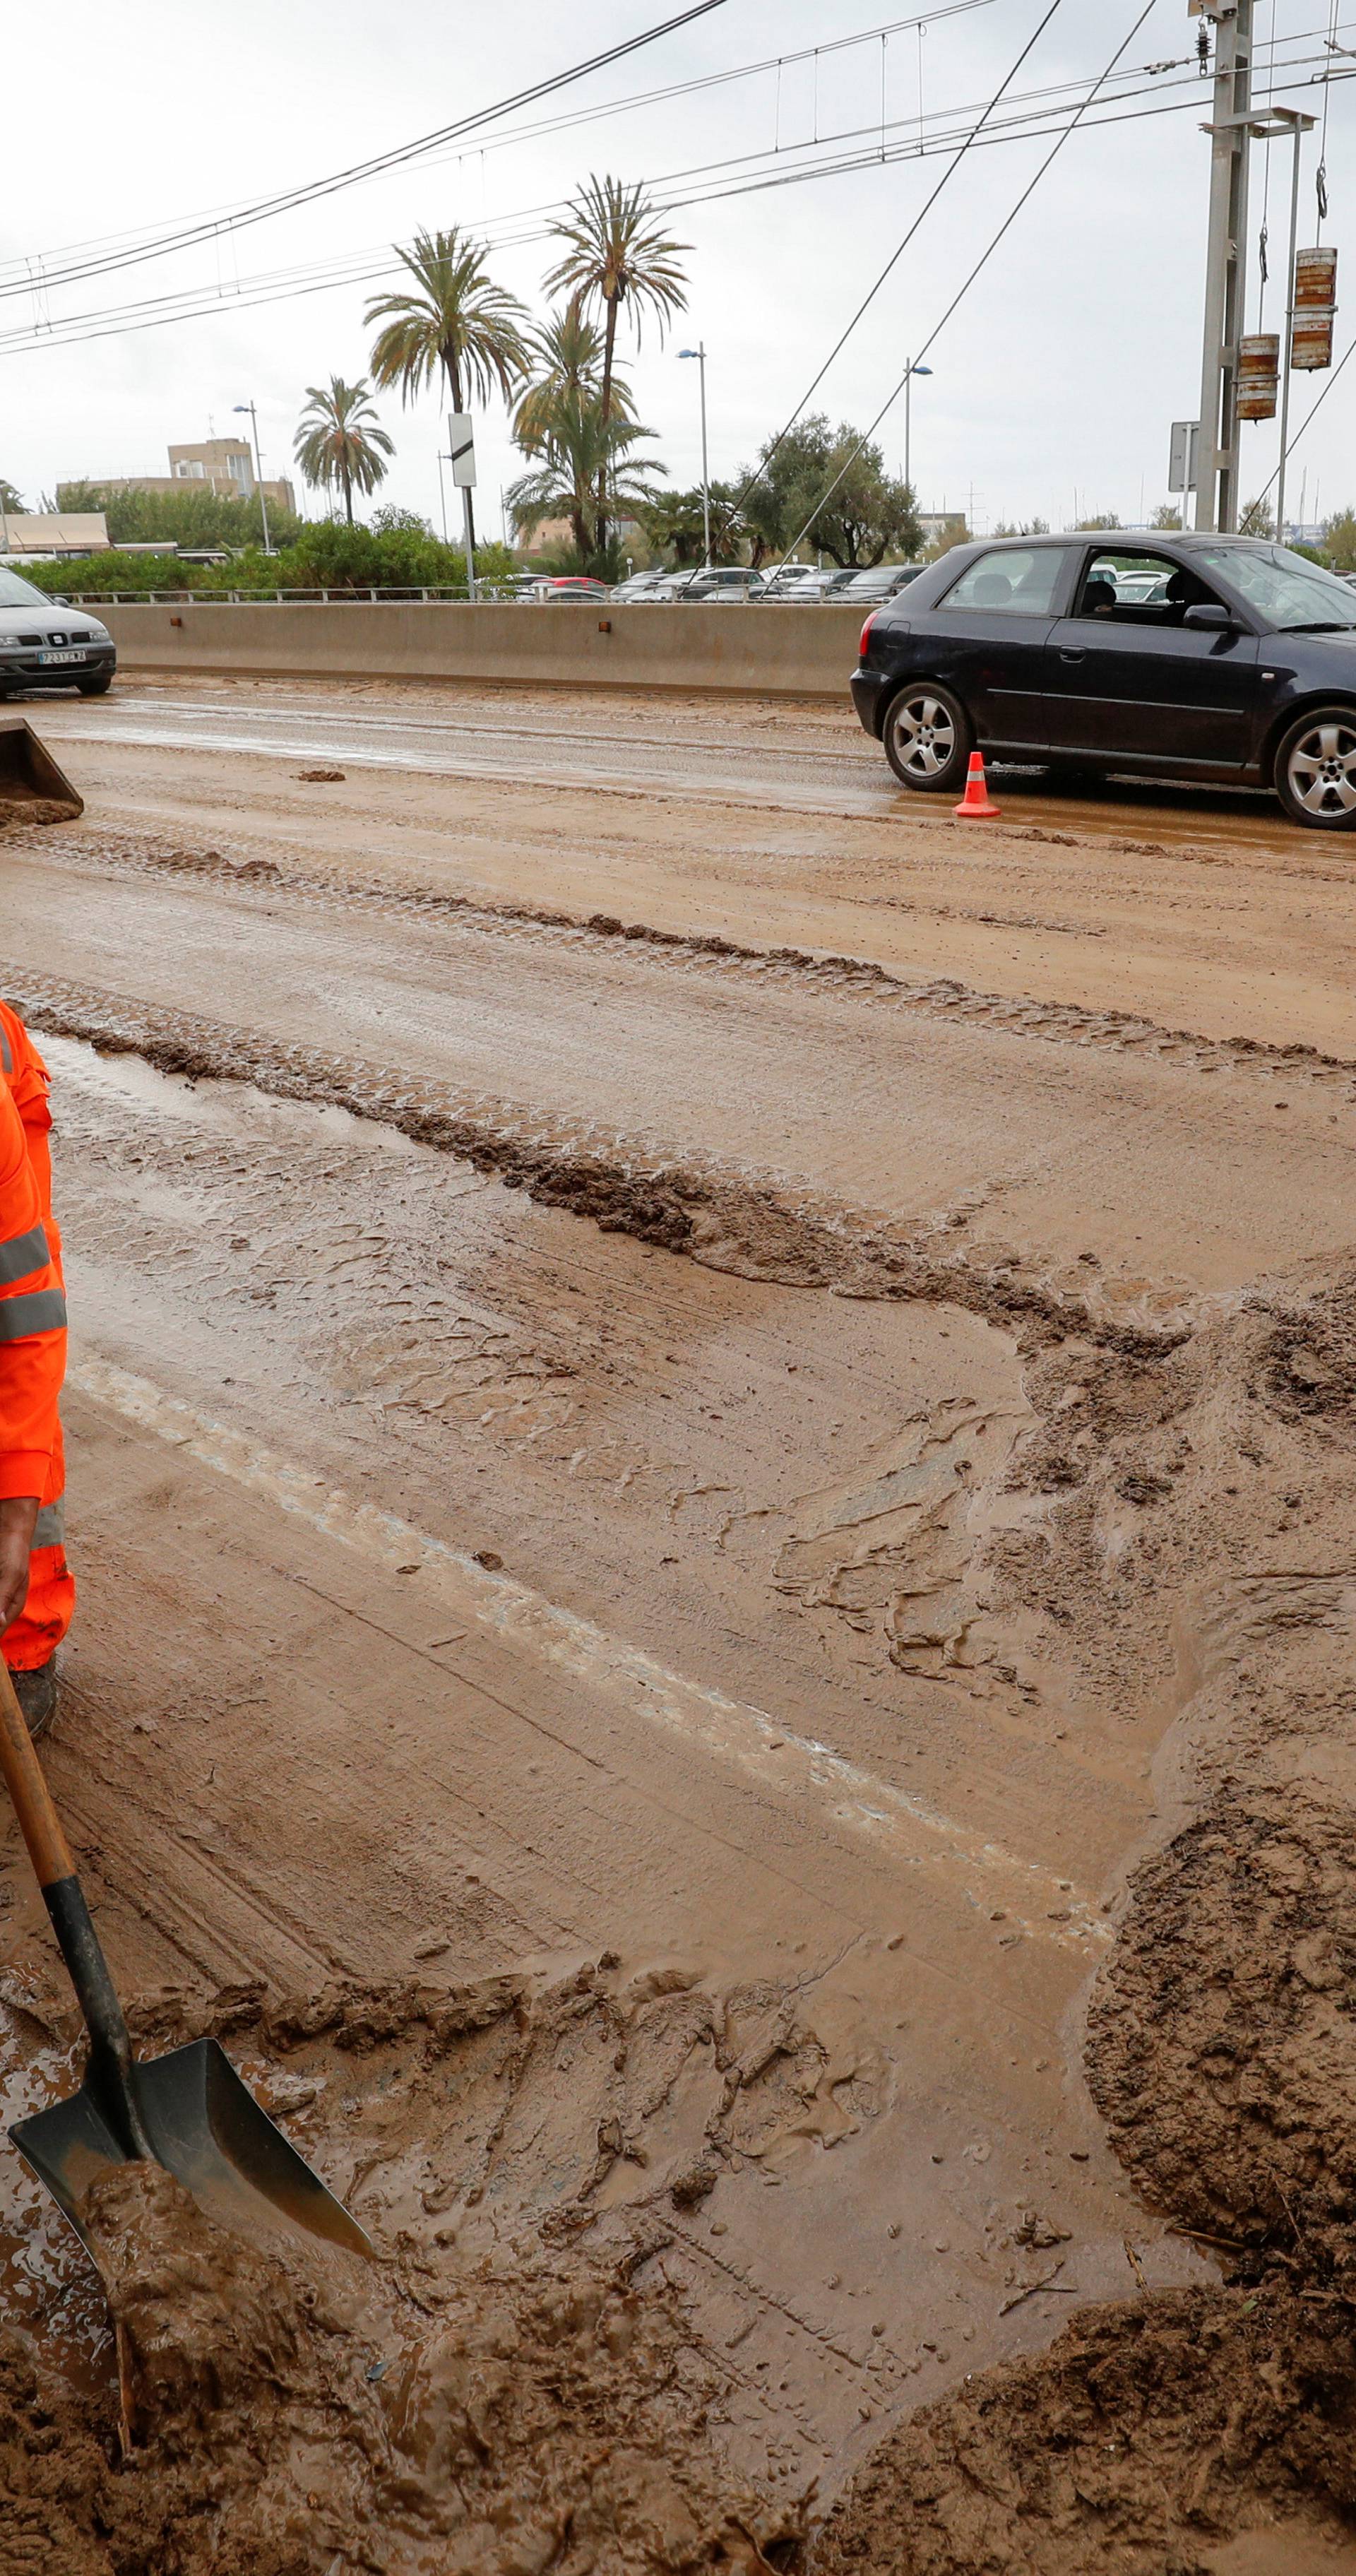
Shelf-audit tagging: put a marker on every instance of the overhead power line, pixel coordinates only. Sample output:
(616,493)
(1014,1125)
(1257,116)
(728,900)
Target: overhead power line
(675,191)
(982,262)
(212,228)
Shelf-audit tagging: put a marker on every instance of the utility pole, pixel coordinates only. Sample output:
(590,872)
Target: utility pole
(1217,480)
(699,353)
(258,469)
(1300,125)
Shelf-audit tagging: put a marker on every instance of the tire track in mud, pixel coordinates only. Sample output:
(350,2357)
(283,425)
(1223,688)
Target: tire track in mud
(942,997)
(727,1219)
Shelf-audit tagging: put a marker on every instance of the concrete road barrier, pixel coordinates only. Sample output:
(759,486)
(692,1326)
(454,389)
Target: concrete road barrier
(779,651)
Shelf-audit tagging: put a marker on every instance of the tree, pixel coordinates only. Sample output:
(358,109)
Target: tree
(192,514)
(565,359)
(868,513)
(459,321)
(1256,521)
(1093,527)
(676,526)
(340,441)
(955,531)
(577,452)
(615,254)
(1339,541)
(1166,517)
(1024,528)
(9,498)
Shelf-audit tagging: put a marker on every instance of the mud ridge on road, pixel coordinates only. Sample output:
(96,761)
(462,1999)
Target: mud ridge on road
(1201,1541)
(728,1220)
(939,997)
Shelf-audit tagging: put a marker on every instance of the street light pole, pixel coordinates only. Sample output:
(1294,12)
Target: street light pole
(258,469)
(699,353)
(910,371)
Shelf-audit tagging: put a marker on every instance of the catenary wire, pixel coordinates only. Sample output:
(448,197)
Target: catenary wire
(982,262)
(212,229)
(194,303)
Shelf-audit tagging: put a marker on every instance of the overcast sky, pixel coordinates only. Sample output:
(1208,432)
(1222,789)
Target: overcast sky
(1056,380)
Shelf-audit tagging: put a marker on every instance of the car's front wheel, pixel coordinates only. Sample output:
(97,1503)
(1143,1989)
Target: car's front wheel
(1315,772)
(97,687)
(928,738)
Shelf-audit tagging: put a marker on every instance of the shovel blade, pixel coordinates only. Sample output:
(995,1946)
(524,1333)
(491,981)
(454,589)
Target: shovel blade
(211,2134)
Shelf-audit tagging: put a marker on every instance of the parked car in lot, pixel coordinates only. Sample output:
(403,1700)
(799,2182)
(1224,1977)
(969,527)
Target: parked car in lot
(645,585)
(549,586)
(800,582)
(47,644)
(876,585)
(714,584)
(1218,658)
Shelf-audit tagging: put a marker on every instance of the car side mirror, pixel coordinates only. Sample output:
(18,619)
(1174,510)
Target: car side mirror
(1209,614)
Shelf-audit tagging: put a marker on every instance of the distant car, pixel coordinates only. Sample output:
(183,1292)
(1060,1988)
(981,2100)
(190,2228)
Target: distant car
(47,644)
(554,586)
(796,581)
(712,583)
(1236,668)
(873,588)
(653,585)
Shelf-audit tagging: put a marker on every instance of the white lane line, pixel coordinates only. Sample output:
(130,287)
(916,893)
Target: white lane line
(729,1730)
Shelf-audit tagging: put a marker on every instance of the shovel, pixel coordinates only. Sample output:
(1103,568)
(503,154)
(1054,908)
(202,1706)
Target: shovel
(187,2110)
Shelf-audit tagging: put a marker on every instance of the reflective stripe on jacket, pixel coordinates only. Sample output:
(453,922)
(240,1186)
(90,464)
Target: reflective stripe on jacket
(32,1297)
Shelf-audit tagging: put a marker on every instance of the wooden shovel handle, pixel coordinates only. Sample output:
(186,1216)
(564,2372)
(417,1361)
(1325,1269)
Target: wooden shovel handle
(30,1796)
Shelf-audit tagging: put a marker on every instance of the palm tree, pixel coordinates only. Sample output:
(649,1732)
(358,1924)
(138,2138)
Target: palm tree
(576,447)
(459,320)
(615,255)
(340,440)
(566,359)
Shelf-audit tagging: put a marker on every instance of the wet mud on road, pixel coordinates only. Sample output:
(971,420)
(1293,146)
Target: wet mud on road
(718,1533)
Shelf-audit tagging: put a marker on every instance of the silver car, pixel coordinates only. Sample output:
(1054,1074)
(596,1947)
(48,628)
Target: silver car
(47,644)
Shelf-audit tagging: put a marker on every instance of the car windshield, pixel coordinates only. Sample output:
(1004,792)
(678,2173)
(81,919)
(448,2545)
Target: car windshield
(15,593)
(1285,589)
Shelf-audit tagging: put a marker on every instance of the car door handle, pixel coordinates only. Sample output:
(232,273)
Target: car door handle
(1071,655)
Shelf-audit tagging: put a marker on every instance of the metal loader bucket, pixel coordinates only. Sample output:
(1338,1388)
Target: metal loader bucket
(32,788)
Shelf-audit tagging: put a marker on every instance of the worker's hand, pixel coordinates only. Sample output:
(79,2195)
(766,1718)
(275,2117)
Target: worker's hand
(18,1519)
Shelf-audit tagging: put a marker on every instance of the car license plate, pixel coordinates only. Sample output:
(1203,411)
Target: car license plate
(61,657)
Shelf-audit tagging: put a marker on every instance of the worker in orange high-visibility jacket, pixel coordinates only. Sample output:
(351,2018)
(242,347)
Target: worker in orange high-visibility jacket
(37,1594)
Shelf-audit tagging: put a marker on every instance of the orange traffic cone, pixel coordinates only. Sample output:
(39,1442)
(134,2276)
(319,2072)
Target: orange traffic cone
(976,803)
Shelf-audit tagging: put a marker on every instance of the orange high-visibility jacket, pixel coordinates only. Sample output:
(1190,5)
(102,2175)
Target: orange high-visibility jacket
(32,1298)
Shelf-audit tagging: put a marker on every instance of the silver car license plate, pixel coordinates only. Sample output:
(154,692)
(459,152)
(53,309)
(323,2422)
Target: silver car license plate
(61,657)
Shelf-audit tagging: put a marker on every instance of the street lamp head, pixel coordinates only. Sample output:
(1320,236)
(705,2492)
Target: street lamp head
(920,371)
(689,353)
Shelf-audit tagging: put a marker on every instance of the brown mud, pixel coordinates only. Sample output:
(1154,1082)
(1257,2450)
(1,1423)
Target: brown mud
(618,2320)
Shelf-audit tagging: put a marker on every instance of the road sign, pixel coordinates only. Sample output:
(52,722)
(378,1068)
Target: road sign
(461,447)
(1186,439)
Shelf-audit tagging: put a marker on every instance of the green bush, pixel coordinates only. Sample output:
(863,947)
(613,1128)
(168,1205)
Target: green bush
(329,556)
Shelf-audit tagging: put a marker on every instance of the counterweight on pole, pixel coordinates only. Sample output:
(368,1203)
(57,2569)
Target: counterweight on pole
(1217,487)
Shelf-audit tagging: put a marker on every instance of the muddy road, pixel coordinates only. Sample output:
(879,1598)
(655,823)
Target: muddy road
(713,1435)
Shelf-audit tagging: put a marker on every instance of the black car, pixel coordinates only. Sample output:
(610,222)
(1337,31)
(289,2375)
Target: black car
(47,644)
(1223,659)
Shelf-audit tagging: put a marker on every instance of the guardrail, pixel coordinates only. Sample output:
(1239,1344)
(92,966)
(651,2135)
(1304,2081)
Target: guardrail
(432,598)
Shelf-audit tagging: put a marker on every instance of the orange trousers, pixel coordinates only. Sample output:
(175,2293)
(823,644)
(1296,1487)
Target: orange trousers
(48,1610)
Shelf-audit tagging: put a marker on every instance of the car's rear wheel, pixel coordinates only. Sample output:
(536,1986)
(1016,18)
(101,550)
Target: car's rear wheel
(928,738)
(96,688)
(1315,771)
